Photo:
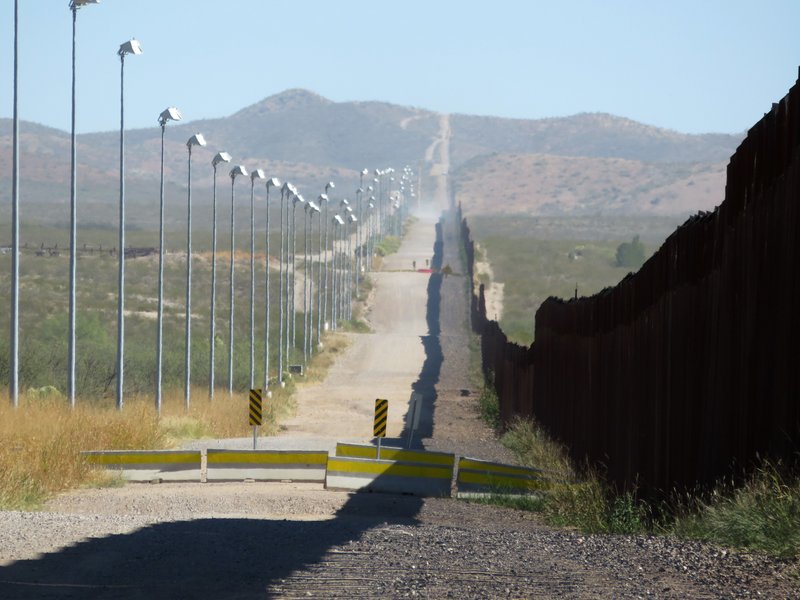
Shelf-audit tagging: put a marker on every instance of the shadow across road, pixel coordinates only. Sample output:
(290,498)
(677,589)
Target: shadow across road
(199,559)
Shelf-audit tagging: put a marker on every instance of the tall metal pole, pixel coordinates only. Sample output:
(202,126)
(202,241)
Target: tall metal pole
(255,174)
(319,275)
(293,312)
(267,298)
(328,186)
(187,389)
(252,277)
(160,317)
(284,192)
(289,282)
(310,277)
(270,182)
(121,246)
(333,276)
(305,284)
(311,287)
(357,258)
(368,255)
(231,295)
(348,309)
(343,289)
(212,334)
(13,376)
(72,231)
(234,172)
(327,268)
(288,277)
(335,282)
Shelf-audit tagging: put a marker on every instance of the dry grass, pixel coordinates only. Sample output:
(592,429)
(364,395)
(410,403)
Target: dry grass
(333,345)
(41,441)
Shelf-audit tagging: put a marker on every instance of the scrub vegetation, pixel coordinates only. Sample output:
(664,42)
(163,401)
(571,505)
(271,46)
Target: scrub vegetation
(535,258)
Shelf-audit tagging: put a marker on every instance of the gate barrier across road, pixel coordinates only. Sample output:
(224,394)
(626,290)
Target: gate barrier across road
(480,477)
(398,454)
(388,476)
(147,465)
(354,467)
(266,465)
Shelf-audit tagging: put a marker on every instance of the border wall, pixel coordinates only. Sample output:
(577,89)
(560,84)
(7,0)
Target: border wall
(689,369)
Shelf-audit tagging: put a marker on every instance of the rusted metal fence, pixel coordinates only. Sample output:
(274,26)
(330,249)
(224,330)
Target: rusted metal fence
(689,369)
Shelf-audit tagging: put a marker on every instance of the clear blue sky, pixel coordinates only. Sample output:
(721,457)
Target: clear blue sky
(689,65)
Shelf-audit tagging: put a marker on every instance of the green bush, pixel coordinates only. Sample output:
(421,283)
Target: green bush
(585,502)
(763,514)
(489,406)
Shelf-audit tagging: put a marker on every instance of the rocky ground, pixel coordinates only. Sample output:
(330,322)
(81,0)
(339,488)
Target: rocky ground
(242,540)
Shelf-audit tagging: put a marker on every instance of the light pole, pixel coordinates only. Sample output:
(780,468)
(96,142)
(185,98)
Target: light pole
(365,217)
(371,232)
(306,209)
(286,192)
(237,170)
(255,174)
(13,375)
(377,183)
(328,186)
(196,140)
(322,199)
(74,5)
(170,114)
(359,231)
(130,47)
(344,206)
(337,289)
(220,157)
(354,220)
(308,296)
(298,199)
(272,182)
(359,203)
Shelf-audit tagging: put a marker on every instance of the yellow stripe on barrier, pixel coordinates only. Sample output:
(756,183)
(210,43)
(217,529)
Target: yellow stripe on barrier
(388,468)
(144,458)
(283,458)
(400,454)
(498,481)
(483,466)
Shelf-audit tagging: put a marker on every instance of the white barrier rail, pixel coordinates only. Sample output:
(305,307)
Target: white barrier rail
(266,465)
(147,465)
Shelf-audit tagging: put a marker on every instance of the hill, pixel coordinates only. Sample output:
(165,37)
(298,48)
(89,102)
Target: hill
(578,164)
(543,184)
(594,135)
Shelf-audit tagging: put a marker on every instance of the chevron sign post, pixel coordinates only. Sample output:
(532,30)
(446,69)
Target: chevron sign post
(381,417)
(255,413)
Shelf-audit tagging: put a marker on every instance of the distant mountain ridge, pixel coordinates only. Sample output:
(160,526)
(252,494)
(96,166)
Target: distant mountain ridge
(308,139)
(594,135)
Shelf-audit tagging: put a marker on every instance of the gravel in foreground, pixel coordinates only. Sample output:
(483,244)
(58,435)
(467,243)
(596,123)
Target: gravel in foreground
(299,541)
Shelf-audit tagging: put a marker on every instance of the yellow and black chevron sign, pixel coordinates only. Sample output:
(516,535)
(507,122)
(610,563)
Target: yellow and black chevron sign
(255,407)
(381,415)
